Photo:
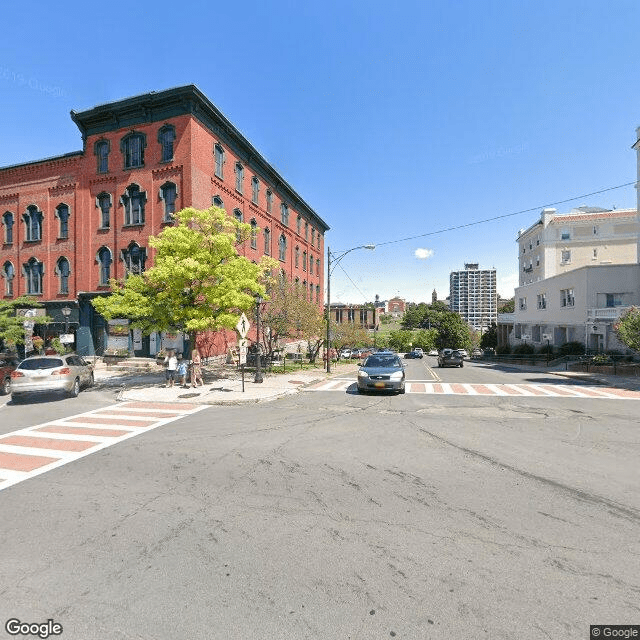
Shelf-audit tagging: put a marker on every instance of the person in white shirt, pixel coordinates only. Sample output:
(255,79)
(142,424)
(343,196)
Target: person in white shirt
(171,364)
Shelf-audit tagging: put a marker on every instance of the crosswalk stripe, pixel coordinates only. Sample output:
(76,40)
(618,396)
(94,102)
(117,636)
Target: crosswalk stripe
(31,451)
(512,390)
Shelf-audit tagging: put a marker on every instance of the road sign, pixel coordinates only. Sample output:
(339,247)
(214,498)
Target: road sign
(243,342)
(243,355)
(243,326)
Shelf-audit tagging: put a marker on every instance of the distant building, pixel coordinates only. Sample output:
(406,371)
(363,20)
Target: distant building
(473,295)
(363,315)
(396,307)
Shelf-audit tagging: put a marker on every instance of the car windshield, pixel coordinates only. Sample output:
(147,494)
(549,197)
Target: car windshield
(377,361)
(40,363)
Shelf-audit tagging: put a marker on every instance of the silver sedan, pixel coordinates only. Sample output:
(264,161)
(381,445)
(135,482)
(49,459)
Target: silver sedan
(42,374)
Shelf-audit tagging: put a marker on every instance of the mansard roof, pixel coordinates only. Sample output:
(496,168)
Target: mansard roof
(158,106)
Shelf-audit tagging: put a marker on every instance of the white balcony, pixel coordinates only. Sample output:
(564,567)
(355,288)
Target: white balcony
(608,313)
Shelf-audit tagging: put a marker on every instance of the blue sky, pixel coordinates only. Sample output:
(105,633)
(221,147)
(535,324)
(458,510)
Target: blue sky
(391,120)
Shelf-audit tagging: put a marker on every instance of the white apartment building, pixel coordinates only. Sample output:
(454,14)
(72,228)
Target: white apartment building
(581,305)
(586,236)
(473,294)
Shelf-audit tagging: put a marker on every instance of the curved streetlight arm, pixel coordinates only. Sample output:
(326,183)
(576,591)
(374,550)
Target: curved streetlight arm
(371,247)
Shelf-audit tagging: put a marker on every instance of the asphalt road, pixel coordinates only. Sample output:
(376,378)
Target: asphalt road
(334,515)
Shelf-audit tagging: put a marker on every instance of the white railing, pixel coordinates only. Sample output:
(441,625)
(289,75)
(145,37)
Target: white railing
(608,313)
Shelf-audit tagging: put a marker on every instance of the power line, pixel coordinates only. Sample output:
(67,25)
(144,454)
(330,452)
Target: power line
(506,215)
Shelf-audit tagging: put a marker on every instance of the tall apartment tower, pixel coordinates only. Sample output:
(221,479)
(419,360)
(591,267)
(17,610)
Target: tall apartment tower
(473,294)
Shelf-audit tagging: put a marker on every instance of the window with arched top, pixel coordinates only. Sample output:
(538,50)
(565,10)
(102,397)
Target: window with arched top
(282,248)
(269,196)
(254,234)
(62,213)
(217,202)
(33,271)
(166,136)
(218,153)
(284,214)
(132,147)
(304,260)
(134,257)
(104,258)
(296,257)
(310,265)
(255,189)
(168,194)
(239,177)
(101,150)
(267,242)
(133,201)
(8,221)
(104,203)
(8,273)
(62,270)
(237,215)
(33,224)
(298,224)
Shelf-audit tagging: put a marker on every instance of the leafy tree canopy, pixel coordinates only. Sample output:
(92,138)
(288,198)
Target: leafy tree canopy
(628,329)
(198,281)
(452,330)
(12,324)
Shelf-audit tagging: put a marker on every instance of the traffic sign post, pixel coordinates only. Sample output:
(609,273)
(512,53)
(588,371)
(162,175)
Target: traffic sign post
(243,328)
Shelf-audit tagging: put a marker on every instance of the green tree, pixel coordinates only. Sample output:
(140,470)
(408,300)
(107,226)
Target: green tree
(628,329)
(12,324)
(490,337)
(508,307)
(289,315)
(198,281)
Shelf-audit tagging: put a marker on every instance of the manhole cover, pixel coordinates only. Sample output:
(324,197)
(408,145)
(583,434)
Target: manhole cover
(189,395)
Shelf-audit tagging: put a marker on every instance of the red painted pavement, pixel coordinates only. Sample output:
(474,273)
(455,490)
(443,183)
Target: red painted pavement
(510,390)
(19,462)
(88,431)
(142,414)
(480,388)
(48,443)
(173,406)
(119,422)
(458,388)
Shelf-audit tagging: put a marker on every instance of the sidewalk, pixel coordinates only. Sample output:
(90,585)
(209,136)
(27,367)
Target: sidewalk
(222,384)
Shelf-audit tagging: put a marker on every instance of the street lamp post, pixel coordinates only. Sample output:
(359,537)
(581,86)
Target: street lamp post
(336,259)
(258,377)
(66,312)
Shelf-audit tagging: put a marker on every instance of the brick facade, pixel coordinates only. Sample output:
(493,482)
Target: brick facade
(82,212)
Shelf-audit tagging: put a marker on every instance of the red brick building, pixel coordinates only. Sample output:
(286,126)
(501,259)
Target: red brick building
(71,222)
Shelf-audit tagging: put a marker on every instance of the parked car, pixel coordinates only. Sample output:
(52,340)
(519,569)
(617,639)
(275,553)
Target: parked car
(382,371)
(60,373)
(450,358)
(463,353)
(433,352)
(345,353)
(477,353)
(8,363)
(415,353)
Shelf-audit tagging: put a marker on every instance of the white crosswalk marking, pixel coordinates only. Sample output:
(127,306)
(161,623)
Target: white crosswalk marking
(28,452)
(512,390)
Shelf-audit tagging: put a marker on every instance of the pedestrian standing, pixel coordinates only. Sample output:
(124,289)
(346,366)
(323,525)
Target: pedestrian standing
(182,371)
(171,364)
(196,368)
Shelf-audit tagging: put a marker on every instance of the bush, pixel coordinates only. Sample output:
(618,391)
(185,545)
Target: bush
(571,349)
(547,348)
(504,350)
(524,349)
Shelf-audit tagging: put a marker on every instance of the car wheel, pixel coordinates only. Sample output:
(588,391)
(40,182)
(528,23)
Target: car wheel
(92,380)
(75,390)
(402,389)
(6,387)
(461,365)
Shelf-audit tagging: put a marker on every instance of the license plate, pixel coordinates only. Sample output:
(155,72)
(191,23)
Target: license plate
(379,385)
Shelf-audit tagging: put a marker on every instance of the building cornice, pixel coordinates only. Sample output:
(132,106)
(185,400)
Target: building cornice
(186,100)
